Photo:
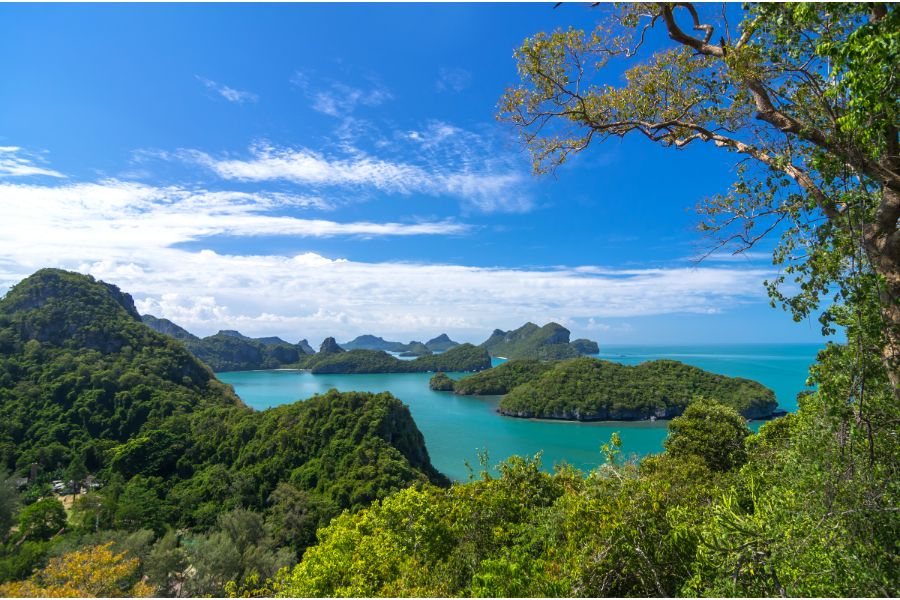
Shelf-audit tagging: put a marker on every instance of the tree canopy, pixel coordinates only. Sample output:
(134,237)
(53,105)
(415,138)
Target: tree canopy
(806,97)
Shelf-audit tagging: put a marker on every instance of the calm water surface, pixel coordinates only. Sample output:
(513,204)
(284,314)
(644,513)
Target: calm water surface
(456,427)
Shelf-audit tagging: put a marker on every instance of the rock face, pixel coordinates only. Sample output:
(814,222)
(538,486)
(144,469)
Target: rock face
(550,342)
(304,347)
(599,415)
(167,327)
(329,346)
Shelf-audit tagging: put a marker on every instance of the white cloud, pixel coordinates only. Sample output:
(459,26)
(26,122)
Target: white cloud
(14,162)
(116,218)
(484,186)
(453,79)
(338,99)
(131,234)
(229,93)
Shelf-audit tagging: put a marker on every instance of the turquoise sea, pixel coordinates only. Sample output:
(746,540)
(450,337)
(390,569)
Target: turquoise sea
(456,427)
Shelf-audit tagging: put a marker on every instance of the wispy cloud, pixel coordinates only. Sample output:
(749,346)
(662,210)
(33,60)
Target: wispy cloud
(453,79)
(15,162)
(115,218)
(489,186)
(229,93)
(339,99)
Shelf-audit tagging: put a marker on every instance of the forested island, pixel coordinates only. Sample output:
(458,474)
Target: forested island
(550,342)
(588,389)
(333,359)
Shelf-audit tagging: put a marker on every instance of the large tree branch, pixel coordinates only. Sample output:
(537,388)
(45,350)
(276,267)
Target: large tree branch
(665,130)
(766,109)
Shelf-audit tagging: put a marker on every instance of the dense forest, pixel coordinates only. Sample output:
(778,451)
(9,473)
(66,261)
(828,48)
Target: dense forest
(588,389)
(90,393)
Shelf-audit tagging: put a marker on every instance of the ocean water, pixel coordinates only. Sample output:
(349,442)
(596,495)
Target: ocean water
(456,428)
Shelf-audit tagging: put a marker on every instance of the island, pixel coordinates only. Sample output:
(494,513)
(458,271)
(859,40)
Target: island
(374,342)
(550,342)
(464,357)
(589,389)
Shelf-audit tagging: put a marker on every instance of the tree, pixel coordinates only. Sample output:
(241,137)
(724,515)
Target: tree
(806,95)
(76,472)
(139,506)
(94,571)
(42,520)
(166,564)
(710,431)
(9,503)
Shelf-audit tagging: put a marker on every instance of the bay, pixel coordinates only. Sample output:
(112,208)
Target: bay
(456,428)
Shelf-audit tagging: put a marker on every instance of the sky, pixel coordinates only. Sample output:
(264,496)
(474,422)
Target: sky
(332,170)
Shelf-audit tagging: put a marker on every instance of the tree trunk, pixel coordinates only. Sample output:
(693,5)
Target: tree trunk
(882,244)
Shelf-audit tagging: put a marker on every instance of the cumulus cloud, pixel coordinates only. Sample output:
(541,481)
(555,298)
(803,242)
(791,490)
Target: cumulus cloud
(312,296)
(229,93)
(15,162)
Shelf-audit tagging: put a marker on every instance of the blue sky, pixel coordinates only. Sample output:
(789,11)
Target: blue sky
(312,170)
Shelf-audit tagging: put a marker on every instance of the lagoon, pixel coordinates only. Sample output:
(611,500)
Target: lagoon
(456,428)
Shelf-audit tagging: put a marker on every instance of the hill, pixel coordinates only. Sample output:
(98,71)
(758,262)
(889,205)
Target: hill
(502,378)
(230,350)
(79,372)
(84,382)
(550,342)
(587,389)
(441,343)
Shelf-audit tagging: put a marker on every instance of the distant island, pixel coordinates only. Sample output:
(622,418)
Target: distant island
(413,348)
(333,359)
(550,342)
(589,389)
(230,350)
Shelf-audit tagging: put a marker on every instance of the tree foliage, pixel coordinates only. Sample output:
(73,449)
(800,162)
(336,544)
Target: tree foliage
(805,94)
(92,572)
